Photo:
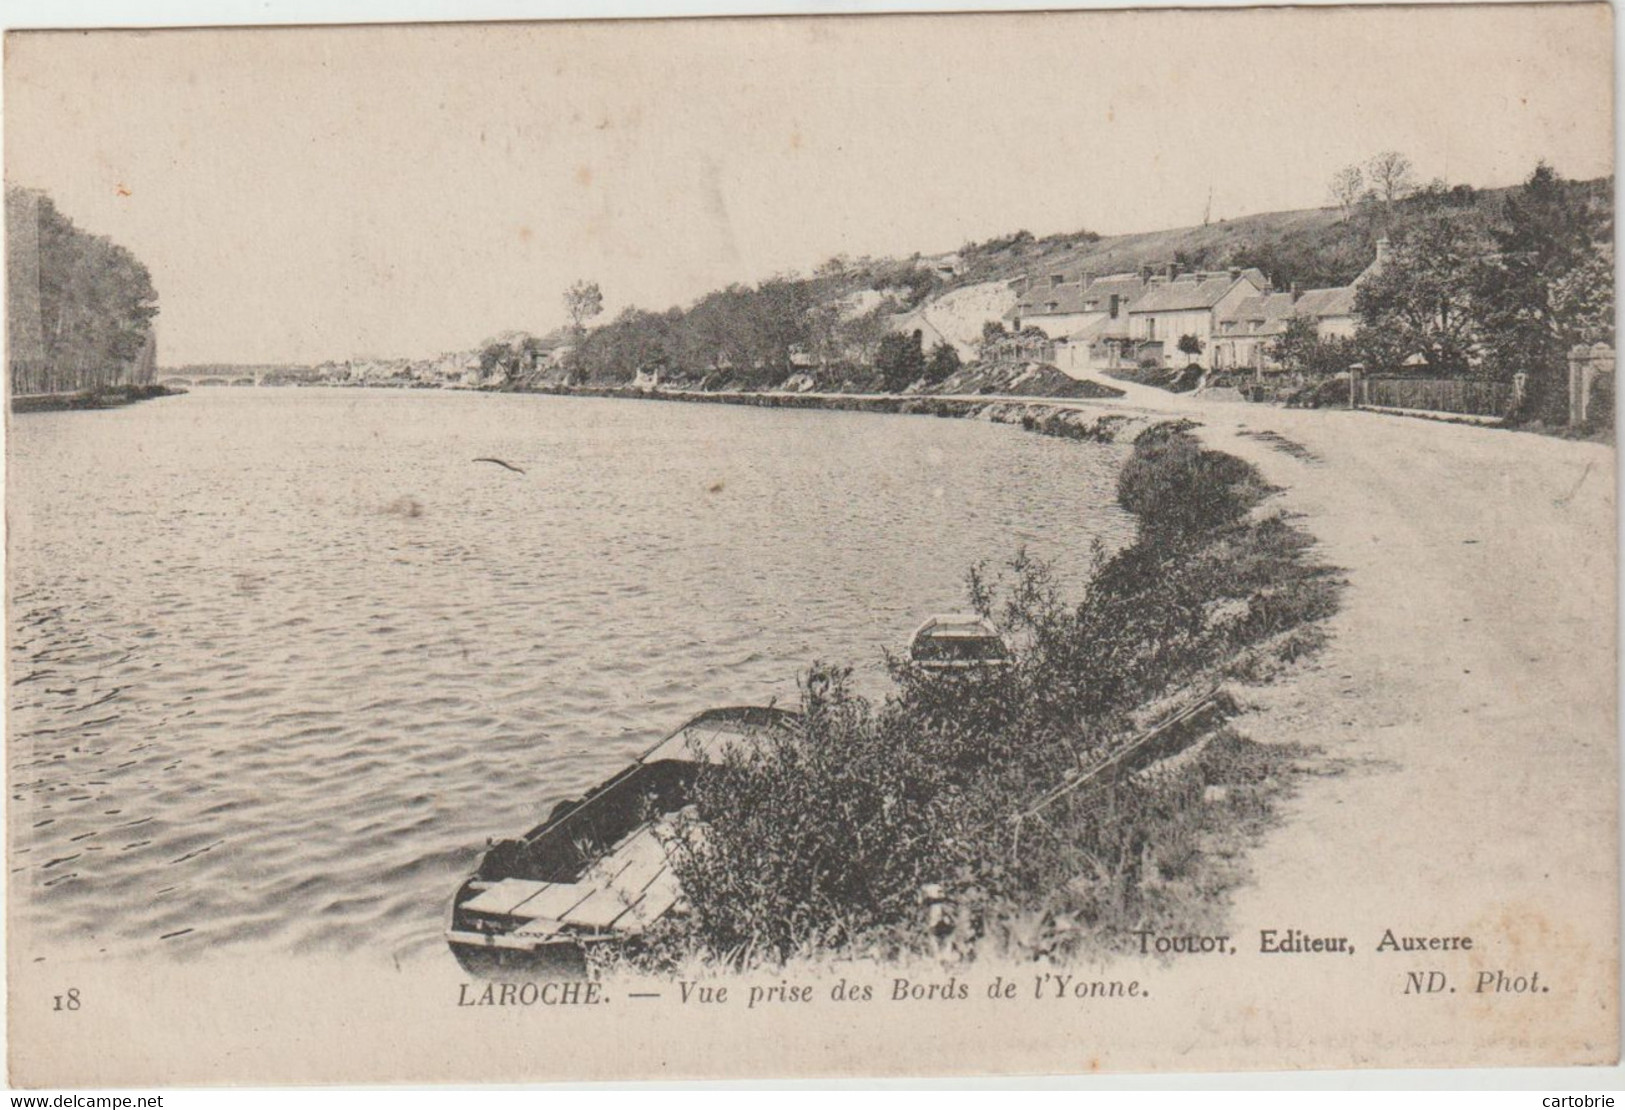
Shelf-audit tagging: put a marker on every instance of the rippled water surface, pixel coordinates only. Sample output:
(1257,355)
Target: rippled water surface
(282,659)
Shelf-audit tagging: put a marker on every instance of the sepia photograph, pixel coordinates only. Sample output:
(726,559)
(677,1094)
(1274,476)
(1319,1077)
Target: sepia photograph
(811,546)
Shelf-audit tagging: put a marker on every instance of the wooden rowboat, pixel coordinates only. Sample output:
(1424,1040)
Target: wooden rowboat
(597,869)
(958,641)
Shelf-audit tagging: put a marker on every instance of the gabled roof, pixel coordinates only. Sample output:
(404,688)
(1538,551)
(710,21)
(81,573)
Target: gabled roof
(1104,328)
(1268,313)
(1328,302)
(1262,308)
(1189,292)
(1074,297)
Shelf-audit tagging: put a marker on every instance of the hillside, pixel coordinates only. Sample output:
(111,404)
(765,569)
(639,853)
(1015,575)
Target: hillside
(1316,247)
(827,326)
(957,315)
(1016,255)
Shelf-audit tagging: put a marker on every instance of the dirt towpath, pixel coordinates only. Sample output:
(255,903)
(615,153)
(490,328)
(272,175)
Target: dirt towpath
(1464,710)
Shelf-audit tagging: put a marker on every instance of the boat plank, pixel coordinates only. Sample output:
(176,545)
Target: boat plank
(556,901)
(644,904)
(637,858)
(633,879)
(599,911)
(658,898)
(540,928)
(506,896)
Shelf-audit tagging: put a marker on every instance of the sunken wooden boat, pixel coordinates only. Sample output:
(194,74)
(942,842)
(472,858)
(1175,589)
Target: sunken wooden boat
(596,871)
(956,642)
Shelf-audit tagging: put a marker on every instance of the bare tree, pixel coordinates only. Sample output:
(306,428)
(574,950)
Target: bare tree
(1346,186)
(1391,175)
(583,301)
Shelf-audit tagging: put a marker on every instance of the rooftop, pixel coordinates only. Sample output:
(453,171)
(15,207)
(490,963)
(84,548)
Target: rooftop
(1045,298)
(1195,291)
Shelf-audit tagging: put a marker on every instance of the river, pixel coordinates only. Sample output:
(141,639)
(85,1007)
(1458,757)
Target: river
(282,659)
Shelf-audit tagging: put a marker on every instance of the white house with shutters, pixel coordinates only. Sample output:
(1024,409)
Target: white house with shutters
(1188,304)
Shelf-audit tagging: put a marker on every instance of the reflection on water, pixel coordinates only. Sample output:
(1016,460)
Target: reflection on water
(282,659)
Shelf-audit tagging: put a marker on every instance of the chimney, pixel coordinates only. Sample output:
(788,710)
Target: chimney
(1088,278)
(1146,271)
(1171,270)
(1295,293)
(1382,250)
(1235,273)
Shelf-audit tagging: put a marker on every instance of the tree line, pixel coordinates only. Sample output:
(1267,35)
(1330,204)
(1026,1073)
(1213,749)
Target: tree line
(1490,285)
(81,306)
(1488,291)
(832,326)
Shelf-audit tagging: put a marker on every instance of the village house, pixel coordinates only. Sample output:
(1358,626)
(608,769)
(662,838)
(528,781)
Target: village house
(1122,319)
(1126,319)
(1174,306)
(1102,341)
(1059,305)
(1248,330)
(1087,319)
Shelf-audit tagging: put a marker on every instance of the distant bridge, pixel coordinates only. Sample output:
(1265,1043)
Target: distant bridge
(188,380)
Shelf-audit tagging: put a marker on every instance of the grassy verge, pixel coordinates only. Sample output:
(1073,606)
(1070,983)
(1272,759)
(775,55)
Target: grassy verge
(886,830)
(1181,380)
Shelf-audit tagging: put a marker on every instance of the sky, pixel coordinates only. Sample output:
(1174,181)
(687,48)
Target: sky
(303,194)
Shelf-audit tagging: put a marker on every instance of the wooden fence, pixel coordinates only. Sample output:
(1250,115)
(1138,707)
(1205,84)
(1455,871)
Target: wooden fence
(1461,396)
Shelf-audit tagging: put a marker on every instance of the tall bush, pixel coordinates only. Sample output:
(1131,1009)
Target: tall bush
(828,838)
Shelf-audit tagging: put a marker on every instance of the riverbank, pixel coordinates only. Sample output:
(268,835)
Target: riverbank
(105,398)
(1453,739)
(934,789)
(1462,712)
(1067,418)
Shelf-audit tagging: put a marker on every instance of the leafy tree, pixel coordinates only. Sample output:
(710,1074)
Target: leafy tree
(778,324)
(824,338)
(494,358)
(1548,285)
(709,339)
(901,360)
(1301,349)
(861,335)
(943,364)
(1420,303)
(1438,194)
(1294,348)
(993,333)
(1189,345)
(837,266)
(919,282)
(96,301)
(634,341)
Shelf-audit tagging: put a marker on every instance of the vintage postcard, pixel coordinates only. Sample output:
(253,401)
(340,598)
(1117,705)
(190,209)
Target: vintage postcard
(944,544)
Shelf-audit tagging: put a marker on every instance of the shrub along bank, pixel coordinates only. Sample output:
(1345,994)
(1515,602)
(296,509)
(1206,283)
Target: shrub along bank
(887,829)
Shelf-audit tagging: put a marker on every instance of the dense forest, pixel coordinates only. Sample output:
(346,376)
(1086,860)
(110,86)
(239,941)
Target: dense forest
(81,306)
